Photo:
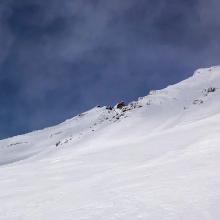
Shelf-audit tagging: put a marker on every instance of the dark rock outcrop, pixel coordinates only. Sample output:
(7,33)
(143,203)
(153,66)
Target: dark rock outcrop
(120,105)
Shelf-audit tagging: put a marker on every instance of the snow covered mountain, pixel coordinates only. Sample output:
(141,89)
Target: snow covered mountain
(157,158)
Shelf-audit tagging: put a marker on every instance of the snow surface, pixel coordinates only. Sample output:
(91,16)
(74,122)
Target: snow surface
(157,158)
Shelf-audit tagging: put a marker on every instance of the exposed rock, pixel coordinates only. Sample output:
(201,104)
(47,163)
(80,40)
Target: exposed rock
(18,143)
(58,143)
(211,89)
(109,108)
(120,105)
(198,101)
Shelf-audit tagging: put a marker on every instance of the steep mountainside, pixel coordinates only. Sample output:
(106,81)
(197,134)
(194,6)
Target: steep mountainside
(155,158)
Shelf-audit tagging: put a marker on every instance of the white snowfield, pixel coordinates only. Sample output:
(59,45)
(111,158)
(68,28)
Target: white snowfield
(155,159)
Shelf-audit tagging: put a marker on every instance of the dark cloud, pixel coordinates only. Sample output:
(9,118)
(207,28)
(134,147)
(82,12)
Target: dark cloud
(58,58)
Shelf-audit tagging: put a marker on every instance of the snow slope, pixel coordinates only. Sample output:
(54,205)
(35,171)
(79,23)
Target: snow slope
(157,158)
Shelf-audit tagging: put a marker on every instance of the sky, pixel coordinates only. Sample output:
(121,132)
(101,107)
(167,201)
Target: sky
(62,57)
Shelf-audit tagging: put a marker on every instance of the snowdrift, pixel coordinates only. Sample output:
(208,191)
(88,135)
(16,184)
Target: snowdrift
(155,158)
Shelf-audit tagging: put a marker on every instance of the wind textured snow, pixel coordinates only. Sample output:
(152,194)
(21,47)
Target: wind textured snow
(155,158)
